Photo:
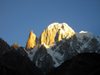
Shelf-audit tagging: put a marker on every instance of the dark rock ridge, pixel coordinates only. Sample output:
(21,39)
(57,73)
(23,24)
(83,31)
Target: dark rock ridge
(15,61)
(81,64)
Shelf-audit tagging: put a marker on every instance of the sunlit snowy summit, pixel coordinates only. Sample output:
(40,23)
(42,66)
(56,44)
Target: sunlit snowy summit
(59,42)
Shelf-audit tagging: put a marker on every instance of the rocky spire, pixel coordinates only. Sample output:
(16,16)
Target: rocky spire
(31,40)
(55,32)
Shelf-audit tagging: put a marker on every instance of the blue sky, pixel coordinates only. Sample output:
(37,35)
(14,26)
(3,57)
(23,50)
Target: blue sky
(19,17)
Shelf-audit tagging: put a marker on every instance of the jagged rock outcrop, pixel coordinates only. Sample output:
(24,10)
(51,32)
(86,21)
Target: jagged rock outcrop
(43,60)
(32,40)
(15,45)
(55,32)
(16,62)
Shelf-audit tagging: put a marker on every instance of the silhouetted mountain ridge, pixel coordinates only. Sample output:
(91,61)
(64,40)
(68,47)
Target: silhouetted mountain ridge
(81,64)
(16,61)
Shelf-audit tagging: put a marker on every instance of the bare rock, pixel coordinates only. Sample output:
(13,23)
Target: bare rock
(32,40)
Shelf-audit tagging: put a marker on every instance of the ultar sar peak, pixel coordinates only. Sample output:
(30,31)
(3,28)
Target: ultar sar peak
(59,42)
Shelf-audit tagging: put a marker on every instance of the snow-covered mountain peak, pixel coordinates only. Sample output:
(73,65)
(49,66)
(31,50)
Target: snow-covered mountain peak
(56,32)
(62,26)
(86,32)
(83,34)
(52,25)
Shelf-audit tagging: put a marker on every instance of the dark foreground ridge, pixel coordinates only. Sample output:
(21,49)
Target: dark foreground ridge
(15,61)
(81,64)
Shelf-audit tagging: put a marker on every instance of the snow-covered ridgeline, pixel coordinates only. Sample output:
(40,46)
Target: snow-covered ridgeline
(83,34)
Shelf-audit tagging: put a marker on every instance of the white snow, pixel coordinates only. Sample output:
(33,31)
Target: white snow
(57,48)
(83,34)
(62,26)
(36,62)
(46,46)
(80,36)
(71,43)
(33,51)
(51,52)
(51,26)
(55,54)
(62,31)
(58,56)
(41,58)
(98,39)
(84,46)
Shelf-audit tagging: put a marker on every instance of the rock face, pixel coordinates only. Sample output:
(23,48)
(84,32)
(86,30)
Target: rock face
(55,32)
(16,62)
(16,45)
(82,64)
(4,47)
(32,40)
(42,59)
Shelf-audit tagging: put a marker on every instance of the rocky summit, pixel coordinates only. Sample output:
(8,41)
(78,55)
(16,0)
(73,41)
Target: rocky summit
(15,45)
(57,44)
(55,32)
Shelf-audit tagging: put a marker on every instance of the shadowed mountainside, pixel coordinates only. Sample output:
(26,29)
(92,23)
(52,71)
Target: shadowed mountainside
(15,61)
(81,64)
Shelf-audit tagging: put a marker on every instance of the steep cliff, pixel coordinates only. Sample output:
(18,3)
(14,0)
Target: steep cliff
(55,32)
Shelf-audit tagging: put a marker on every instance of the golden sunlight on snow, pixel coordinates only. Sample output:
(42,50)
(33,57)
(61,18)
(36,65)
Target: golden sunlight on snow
(56,32)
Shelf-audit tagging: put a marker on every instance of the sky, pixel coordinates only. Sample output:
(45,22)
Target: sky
(19,17)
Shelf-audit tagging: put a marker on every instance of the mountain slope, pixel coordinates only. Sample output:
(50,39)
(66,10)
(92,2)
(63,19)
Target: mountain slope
(15,61)
(82,64)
